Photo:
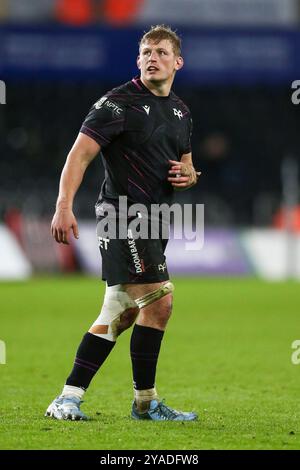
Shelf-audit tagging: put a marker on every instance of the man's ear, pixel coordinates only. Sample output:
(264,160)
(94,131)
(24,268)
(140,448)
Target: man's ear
(138,62)
(179,63)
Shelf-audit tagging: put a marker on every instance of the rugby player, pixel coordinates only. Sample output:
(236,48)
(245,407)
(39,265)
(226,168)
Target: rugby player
(143,131)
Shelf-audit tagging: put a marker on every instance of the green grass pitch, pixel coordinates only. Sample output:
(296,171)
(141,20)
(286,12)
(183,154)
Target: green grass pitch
(226,353)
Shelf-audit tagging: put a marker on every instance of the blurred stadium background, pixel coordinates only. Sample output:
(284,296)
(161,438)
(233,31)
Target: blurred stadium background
(57,57)
(241,57)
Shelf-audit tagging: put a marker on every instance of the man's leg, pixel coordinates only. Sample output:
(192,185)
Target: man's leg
(155,301)
(118,313)
(146,340)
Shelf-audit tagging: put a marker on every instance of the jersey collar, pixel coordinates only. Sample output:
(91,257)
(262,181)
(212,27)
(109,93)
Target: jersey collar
(141,87)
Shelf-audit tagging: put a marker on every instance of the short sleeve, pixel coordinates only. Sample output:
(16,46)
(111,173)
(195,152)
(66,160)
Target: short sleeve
(187,147)
(105,121)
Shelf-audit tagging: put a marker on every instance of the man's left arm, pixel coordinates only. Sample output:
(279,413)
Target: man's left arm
(182,175)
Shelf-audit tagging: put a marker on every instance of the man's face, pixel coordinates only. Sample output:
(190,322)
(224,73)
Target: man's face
(157,61)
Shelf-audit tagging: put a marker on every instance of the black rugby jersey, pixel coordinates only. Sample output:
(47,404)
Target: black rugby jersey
(138,133)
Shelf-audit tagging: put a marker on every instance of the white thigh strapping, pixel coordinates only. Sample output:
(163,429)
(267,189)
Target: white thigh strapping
(116,301)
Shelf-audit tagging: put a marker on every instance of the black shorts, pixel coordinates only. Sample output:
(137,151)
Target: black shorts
(132,260)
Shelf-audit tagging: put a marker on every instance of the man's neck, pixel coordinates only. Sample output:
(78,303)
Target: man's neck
(158,89)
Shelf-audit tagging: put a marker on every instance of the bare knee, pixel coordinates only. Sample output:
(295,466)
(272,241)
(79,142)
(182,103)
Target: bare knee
(155,310)
(164,308)
(157,314)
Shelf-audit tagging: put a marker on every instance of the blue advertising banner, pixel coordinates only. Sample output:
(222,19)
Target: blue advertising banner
(212,57)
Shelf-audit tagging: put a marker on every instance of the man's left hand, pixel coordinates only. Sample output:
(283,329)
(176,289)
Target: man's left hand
(182,176)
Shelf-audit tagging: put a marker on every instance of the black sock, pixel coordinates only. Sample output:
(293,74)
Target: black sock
(144,349)
(92,352)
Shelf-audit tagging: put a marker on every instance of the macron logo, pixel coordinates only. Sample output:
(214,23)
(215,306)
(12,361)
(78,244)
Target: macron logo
(147,109)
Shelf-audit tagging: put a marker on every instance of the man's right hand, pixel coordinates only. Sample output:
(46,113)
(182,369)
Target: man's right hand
(63,221)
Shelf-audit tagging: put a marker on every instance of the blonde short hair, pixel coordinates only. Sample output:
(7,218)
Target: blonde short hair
(159,33)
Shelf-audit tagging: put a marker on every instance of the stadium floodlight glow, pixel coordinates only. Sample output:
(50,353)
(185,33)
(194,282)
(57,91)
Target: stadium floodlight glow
(2,92)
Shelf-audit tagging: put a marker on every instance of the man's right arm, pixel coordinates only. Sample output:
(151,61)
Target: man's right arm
(82,153)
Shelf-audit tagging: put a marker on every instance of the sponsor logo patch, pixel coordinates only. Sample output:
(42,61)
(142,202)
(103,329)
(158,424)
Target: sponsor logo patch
(104,102)
(138,263)
(100,102)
